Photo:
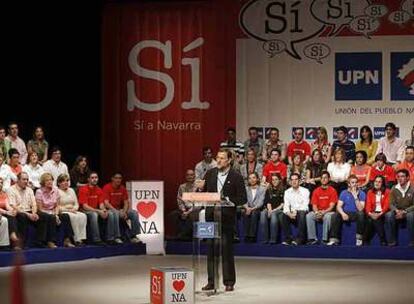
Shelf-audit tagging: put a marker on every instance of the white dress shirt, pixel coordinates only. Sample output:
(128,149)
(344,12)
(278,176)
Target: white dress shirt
(55,169)
(34,174)
(7,175)
(296,200)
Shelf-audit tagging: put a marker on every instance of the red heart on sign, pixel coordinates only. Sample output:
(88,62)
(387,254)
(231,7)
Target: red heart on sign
(146,209)
(178,285)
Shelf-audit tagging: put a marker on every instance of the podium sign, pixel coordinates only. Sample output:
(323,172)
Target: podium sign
(206,230)
(171,285)
(147,198)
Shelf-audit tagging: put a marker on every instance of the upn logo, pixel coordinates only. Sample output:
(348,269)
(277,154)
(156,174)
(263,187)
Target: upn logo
(402,76)
(311,133)
(358,76)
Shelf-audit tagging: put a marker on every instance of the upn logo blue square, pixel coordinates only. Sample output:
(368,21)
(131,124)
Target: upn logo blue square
(379,132)
(205,230)
(402,76)
(358,76)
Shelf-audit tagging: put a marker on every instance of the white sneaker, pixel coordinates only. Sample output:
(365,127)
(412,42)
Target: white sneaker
(135,240)
(332,243)
(118,241)
(359,242)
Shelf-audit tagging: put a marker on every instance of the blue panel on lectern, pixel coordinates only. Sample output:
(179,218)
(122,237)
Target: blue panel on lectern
(205,230)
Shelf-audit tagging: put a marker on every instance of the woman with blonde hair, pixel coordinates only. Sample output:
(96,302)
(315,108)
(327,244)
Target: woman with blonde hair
(68,204)
(339,170)
(322,144)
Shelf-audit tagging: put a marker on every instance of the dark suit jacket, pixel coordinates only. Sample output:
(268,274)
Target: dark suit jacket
(233,188)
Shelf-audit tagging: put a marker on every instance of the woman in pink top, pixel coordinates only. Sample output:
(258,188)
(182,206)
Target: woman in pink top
(362,170)
(9,213)
(47,199)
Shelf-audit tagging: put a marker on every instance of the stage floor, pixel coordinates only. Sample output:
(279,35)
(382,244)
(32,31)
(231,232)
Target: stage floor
(125,279)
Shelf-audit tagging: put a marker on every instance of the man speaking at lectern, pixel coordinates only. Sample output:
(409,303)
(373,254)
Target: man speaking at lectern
(229,183)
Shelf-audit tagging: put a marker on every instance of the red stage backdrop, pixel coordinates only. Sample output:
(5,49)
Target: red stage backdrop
(172,71)
(168,87)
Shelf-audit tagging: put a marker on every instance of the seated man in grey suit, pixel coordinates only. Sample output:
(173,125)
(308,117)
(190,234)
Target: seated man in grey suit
(251,210)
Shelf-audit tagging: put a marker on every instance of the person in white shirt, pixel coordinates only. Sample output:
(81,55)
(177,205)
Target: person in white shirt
(6,174)
(17,142)
(391,145)
(55,166)
(34,170)
(339,170)
(251,210)
(295,208)
(206,164)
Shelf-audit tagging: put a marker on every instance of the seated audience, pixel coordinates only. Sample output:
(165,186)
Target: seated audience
(10,215)
(297,166)
(250,166)
(344,143)
(22,200)
(314,170)
(339,170)
(253,207)
(79,172)
(298,146)
(254,142)
(47,199)
(6,174)
(402,208)
(390,145)
(295,208)
(34,170)
(5,144)
(274,166)
(55,165)
(376,207)
(350,208)
(17,143)
(116,200)
(90,198)
(38,144)
(273,209)
(273,142)
(361,170)
(322,145)
(367,144)
(323,201)
(381,168)
(408,162)
(206,164)
(14,162)
(68,204)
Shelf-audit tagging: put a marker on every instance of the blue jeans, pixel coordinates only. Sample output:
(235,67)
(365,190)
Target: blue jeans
(275,223)
(391,226)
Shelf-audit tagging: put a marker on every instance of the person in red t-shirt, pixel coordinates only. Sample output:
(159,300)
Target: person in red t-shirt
(408,163)
(324,199)
(299,146)
(380,167)
(361,170)
(117,202)
(376,206)
(274,166)
(92,202)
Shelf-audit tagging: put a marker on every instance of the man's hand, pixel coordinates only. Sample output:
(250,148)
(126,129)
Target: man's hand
(103,213)
(123,214)
(33,217)
(345,217)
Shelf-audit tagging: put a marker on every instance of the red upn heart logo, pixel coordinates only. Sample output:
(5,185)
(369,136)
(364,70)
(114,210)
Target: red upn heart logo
(146,209)
(178,285)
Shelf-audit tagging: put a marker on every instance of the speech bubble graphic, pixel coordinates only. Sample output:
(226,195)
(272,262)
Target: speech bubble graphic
(376,10)
(317,51)
(274,47)
(399,17)
(338,13)
(364,25)
(408,6)
(284,20)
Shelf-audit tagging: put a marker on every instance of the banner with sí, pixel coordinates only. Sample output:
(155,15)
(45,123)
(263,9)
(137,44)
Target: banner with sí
(147,198)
